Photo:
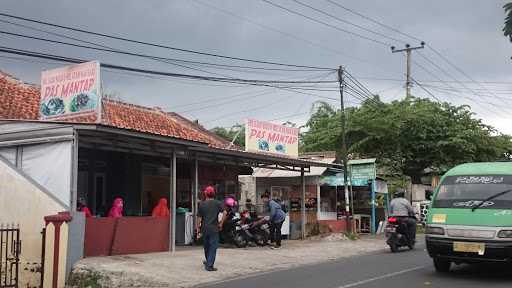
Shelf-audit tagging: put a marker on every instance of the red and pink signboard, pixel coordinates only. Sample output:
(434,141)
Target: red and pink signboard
(70,91)
(266,137)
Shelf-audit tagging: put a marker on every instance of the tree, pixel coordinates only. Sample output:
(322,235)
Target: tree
(408,136)
(229,134)
(507,30)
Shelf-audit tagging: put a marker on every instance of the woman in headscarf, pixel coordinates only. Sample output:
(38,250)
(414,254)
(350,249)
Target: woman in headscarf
(117,209)
(161,209)
(82,207)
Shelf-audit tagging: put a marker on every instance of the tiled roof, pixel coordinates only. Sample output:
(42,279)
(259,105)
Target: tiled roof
(21,101)
(18,100)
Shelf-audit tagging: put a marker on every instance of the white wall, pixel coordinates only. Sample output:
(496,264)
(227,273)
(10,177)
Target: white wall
(24,202)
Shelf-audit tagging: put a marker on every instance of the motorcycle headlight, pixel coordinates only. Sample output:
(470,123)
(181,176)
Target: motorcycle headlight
(434,230)
(505,234)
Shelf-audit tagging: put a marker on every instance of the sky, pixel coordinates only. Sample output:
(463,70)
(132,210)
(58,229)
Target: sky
(467,33)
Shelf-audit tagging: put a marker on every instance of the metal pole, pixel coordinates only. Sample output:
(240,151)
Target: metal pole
(408,69)
(373,207)
(74,173)
(344,150)
(172,223)
(303,205)
(196,190)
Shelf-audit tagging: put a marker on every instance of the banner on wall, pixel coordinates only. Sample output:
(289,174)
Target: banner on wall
(73,90)
(266,137)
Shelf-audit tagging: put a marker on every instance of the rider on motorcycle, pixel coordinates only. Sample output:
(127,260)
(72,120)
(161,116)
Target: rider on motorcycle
(402,209)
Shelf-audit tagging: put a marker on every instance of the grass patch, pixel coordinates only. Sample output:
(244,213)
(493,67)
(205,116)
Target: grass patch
(85,279)
(351,236)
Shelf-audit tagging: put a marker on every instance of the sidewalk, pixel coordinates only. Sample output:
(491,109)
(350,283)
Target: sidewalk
(185,269)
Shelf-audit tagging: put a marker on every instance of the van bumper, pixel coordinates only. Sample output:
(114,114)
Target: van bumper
(495,251)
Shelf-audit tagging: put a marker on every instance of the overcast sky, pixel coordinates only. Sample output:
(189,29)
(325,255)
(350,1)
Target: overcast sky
(467,33)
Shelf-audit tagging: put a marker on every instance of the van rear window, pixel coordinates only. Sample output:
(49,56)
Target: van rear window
(471,191)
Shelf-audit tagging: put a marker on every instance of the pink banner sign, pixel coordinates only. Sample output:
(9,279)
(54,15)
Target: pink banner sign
(70,91)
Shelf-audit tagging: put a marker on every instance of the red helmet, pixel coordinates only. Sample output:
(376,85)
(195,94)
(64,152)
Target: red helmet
(209,192)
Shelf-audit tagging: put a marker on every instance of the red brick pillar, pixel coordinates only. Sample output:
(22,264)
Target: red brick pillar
(54,274)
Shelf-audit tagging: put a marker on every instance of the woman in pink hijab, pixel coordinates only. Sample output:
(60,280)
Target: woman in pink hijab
(117,209)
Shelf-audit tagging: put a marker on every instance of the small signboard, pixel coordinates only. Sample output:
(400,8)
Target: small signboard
(70,91)
(266,137)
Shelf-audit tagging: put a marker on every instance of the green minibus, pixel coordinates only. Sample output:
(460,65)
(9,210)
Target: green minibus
(470,216)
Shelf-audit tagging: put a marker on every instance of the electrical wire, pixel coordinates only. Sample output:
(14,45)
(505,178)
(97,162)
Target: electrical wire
(161,45)
(372,20)
(325,23)
(345,21)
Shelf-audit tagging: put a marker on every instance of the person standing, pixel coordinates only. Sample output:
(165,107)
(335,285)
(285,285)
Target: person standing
(82,207)
(209,226)
(117,209)
(277,217)
(161,210)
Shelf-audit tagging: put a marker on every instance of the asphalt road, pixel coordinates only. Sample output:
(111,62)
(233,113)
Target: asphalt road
(383,269)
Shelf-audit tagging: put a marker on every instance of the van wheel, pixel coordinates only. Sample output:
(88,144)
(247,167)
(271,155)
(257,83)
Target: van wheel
(442,266)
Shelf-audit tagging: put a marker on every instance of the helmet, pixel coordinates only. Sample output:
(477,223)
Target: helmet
(400,193)
(230,202)
(209,192)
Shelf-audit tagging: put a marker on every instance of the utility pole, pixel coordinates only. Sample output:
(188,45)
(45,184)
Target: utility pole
(408,49)
(344,150)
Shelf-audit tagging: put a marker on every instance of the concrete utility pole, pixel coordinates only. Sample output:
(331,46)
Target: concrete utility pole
(344,150)
(407,50)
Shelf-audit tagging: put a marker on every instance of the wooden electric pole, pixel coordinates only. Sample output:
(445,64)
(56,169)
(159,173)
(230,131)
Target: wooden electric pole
(344,150)
(408,49)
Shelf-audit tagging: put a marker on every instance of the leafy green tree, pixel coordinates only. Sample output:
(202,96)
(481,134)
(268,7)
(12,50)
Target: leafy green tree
(507,30)
(408,136)
(236,132)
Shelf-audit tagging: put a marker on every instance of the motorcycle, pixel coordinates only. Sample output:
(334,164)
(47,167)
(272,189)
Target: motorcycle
(256,230)
(233,232)
(396,234)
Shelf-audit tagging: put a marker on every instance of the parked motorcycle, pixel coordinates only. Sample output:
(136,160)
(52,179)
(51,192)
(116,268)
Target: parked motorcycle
(233,232)
(396,234)
(256,230)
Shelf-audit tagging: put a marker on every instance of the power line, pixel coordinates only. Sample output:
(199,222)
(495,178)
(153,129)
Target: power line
(373,20)
(452,77)
(458,69)
(117,51)
(154,72)
(161,45)
(325,23)
(346,22)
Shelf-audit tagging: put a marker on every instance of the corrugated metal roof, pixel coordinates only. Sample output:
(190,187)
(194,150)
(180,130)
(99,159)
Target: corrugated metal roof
(315,170)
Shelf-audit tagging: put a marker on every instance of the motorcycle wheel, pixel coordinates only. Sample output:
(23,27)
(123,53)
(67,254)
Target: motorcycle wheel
(260,240)
(411,245)
(393,247)
(240,241)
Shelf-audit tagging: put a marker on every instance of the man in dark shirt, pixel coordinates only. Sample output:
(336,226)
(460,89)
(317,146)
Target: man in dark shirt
(208,225)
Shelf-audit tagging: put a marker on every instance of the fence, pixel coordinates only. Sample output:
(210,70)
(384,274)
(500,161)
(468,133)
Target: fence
(10,249)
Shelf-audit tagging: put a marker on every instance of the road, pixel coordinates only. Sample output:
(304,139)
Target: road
(383,269)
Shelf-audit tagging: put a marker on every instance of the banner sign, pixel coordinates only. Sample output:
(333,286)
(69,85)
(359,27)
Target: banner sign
(266,137)
(359,175)
(70,91)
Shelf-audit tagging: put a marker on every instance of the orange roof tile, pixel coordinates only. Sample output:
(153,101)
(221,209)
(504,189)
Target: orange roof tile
(19,100)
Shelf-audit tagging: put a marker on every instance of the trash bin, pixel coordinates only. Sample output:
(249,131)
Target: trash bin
(184,227)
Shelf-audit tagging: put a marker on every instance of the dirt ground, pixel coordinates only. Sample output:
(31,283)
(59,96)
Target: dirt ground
(184,268)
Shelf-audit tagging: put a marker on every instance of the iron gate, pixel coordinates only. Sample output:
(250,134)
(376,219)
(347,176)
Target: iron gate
(10,248)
